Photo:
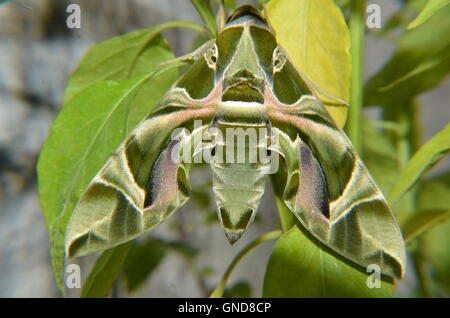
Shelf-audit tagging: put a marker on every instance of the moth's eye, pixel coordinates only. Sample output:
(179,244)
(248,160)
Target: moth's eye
(278,59)
(276,62)
(211,56)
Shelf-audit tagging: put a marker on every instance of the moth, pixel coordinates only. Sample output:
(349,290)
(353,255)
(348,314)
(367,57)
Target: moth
(244,80)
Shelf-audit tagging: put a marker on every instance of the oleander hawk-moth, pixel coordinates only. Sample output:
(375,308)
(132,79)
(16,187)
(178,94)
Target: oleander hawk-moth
(241,80)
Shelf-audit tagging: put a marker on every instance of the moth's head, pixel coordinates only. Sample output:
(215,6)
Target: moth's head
(243,55)
(246,58)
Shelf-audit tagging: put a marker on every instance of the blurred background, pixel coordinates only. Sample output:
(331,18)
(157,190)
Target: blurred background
(37,54)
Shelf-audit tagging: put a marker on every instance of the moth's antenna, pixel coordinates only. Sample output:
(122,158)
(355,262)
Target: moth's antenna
(335,101)
(192,56)
(221,16)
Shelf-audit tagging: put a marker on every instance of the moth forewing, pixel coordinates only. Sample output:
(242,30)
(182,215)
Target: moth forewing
(141,184)
(331,191)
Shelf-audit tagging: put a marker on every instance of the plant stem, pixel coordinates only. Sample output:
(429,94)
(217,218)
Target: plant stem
(419,264)
(405,143)
(357,30)
(218,292)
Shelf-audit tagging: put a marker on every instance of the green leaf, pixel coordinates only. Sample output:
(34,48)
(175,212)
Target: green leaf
(422,161)
(422,221)
(424,67)
(419,63)
(205,10)
(300,266)
(142,260)
(123,57)
(434,193)
(105,272)
(315,35)
(85,133)
(430,9)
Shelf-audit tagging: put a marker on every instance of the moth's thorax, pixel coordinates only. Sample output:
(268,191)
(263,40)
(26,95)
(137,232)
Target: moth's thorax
(239,112)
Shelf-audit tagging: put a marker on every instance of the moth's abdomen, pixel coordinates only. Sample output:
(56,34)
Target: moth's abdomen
(239,175)
(238,189)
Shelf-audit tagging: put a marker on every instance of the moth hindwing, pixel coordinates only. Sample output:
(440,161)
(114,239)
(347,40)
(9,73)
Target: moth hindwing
(241,84)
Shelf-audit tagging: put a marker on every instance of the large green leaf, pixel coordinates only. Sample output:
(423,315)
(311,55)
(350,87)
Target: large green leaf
(85,133)
(424,159)
(300,266)
(105,272)
(421,61)
(123,57)
(315,35)
(430,9)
